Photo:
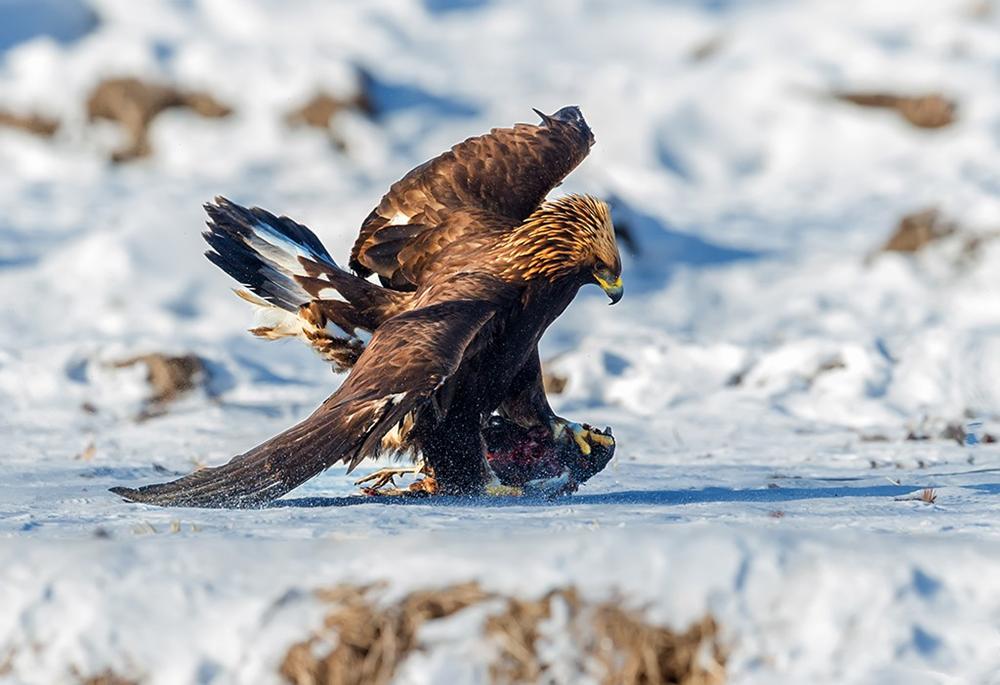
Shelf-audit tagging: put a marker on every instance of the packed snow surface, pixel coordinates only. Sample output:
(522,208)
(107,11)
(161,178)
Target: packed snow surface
(761,375)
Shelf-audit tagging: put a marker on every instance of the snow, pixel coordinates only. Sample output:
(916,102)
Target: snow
(761,374)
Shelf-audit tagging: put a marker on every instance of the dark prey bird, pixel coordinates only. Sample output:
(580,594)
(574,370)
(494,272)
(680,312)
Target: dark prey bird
(474,265)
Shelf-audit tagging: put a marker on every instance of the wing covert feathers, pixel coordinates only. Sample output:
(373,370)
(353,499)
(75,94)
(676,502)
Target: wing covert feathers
(505,173)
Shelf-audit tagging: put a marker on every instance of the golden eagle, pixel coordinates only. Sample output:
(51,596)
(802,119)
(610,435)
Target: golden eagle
(474,265)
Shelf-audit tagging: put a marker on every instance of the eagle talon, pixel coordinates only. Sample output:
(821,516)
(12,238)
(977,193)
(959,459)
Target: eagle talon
(582,435)
(387,477)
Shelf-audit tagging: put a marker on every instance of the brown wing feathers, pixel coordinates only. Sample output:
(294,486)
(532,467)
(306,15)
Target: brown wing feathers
(506,173)
(405,362)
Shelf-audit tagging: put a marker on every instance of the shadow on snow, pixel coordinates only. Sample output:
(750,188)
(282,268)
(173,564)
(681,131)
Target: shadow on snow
(623,498)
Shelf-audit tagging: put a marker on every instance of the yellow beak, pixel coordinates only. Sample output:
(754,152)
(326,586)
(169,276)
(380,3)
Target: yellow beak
(614,289)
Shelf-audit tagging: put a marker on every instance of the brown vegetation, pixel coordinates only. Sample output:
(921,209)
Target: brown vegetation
(918,229)
(627,649)
(369,640)
(927,496)
(319,112)
(32,123)
(169,377)
(108,678)
(364,640)
(134,104)
(554,383)
(923,111)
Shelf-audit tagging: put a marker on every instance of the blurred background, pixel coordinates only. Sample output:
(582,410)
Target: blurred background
(807,192)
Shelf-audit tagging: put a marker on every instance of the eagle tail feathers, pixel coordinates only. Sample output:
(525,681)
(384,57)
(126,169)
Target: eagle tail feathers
(294,285)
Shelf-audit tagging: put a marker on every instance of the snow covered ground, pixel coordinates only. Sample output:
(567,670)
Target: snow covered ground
(761,374)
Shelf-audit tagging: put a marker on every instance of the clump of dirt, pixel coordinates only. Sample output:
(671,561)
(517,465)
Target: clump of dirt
(169,378)
(923,111)
(364,640)
(135,104)
(32,123)
(918,229)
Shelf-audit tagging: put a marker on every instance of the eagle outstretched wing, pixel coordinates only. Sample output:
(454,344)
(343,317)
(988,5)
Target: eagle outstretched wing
(410,356)
(500,177)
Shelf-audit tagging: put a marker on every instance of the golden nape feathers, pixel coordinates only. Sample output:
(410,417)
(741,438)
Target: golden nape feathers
(573,232)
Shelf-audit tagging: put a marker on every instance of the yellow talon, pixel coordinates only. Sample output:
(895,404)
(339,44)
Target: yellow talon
(583,437)
(500,490)
(601,439)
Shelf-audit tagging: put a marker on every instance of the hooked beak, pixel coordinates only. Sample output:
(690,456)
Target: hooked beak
(614,289)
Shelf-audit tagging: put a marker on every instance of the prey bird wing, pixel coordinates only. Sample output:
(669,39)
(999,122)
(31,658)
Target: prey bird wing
(410,356)
(500,177)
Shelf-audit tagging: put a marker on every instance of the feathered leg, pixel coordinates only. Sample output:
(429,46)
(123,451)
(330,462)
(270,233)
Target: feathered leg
(455,450)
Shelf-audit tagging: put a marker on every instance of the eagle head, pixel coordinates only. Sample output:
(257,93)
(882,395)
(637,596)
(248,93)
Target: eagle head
(571,236)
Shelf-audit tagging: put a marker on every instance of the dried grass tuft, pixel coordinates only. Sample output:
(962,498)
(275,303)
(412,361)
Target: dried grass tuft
(364,640)
(135,104)
(923,111)
(615,644)
(31,123)
(168,376)
(553,383)
(917,230)
(322,109)
(107,677)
